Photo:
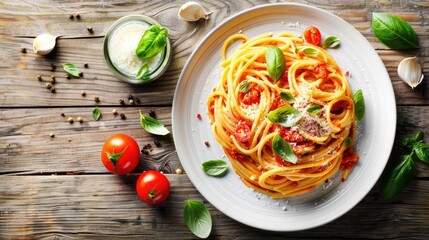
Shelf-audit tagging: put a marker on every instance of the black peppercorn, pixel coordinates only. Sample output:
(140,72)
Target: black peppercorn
(81,74)
(77,15)
(85,65)
(130,97)
(90,29)
(23,50)
(121,101)
(123,117)
(152,113)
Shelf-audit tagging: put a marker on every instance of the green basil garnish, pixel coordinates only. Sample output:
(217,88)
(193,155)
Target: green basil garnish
(287,96)
(244,86)
(152,42)
(399,178)
(314,109)
(283,149)
(393,31)
(347,142)
(152,125)
(215,168)
(422,151)
(71,69)
(331,42)
(198,218)
(359,104)
(96,114)
(141,74)
(275,62)
(285,116)
(311,51)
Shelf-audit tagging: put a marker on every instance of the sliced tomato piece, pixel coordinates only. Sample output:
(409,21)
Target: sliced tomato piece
(242,132)
(312,35)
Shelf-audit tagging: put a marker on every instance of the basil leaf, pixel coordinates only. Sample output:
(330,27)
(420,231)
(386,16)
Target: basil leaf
(71,69)
(96,114)
(315,109)
(198,218)
(275,62)
(287,96)
(215,168)
(331,42)
(152,125)
(142,71)
(422,151)
(399,178)
(359,105)
(283,149)
(244,86)
(310,51)
(285,116)
(409,141)
(393,31)
(152,42)
(347,142)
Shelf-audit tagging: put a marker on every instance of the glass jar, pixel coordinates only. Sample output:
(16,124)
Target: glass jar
(120,45)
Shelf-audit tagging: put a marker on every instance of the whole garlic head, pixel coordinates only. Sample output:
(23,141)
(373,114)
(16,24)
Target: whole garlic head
(44,43)
(410,71)
(193,11)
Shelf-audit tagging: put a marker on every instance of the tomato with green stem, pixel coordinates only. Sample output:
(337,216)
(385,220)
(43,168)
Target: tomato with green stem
(153,187)
(120,154)
(312,35)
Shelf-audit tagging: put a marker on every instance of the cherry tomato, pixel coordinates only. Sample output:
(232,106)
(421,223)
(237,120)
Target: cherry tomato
(120,154)
(153,187)
(242,132)
(253,96)
(312,35)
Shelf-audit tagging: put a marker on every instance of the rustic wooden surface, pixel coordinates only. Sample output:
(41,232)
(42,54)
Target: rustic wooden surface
(56,188)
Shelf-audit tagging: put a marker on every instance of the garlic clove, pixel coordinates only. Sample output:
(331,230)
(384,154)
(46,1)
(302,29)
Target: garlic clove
(410,71)
(44,43)
(192,11)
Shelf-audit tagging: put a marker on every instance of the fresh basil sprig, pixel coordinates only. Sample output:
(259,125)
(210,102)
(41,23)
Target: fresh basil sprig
(96,114)
(314,109)
(287,96)
(393,31)
(285,116)
(283,149)
(71,69)
(244,86)
(275,62)
(142,73)
(198,218)
(331,42)
(152,125)
(152,42)
(359,104)
(347,142)
(311,51)
(215,168)
(402,174)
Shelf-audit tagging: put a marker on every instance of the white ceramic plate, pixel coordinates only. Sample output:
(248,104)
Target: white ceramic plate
(375,133)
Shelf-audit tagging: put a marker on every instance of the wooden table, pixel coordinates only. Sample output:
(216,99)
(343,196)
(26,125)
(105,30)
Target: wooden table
(57,188)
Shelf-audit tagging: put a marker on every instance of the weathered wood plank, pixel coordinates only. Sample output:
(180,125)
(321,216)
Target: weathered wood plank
(21,88)
(94,206)
(24,138)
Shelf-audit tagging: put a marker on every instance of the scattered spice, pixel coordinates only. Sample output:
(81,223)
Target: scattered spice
(121,101)
(23,50)
(77,15)
(68,76)
(147,149)
(71,16)
(207,143)
(83,93)
(96,99)
(48,85)
(52,135)
(137,100)
(115,112)
(179,171)
(90,29)
(39,77)
(79,119)
(131,101)
(52,79)
(70,120)
(123,117)
(52,67)
(199,116)
(81,74)
(157,143)
(53,90)
(63,115)
(85,65)
(130,97)
(152,113)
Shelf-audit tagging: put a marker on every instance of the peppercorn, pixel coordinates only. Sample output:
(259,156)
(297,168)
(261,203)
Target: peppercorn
(157,143)
(77,15)
(52,135)
(96,99)
(53,90)
(68,76)
(130,97)
(23,50)
(52,79)
(52,67)
(207,143)
(71,16)
(39,77)
(79,119)
(137,100)
(48,85)
(70,120)
(81,74)
(179,171)
(121,101)
(85,65)
(123,117)
(63,115)
(83,93)
(114,112)
(152,113)
(90,29)
(131,101)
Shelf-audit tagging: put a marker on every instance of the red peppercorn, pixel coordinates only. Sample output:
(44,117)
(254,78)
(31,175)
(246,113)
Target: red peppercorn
(199,116)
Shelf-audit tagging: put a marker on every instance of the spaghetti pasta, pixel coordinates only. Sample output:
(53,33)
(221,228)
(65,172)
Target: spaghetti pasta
(240,107)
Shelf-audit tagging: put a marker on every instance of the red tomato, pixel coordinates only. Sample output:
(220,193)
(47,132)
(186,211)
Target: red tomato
(253,96)
(153,187)
(120,154)
(242,132)
(312,35)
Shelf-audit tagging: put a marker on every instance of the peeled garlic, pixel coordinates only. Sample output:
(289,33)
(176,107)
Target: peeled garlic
(44,43)
(193,11)
(410,71)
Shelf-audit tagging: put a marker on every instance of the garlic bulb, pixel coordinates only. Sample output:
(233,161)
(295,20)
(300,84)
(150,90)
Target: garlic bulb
(193,11)
(410,71)
(44,43)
